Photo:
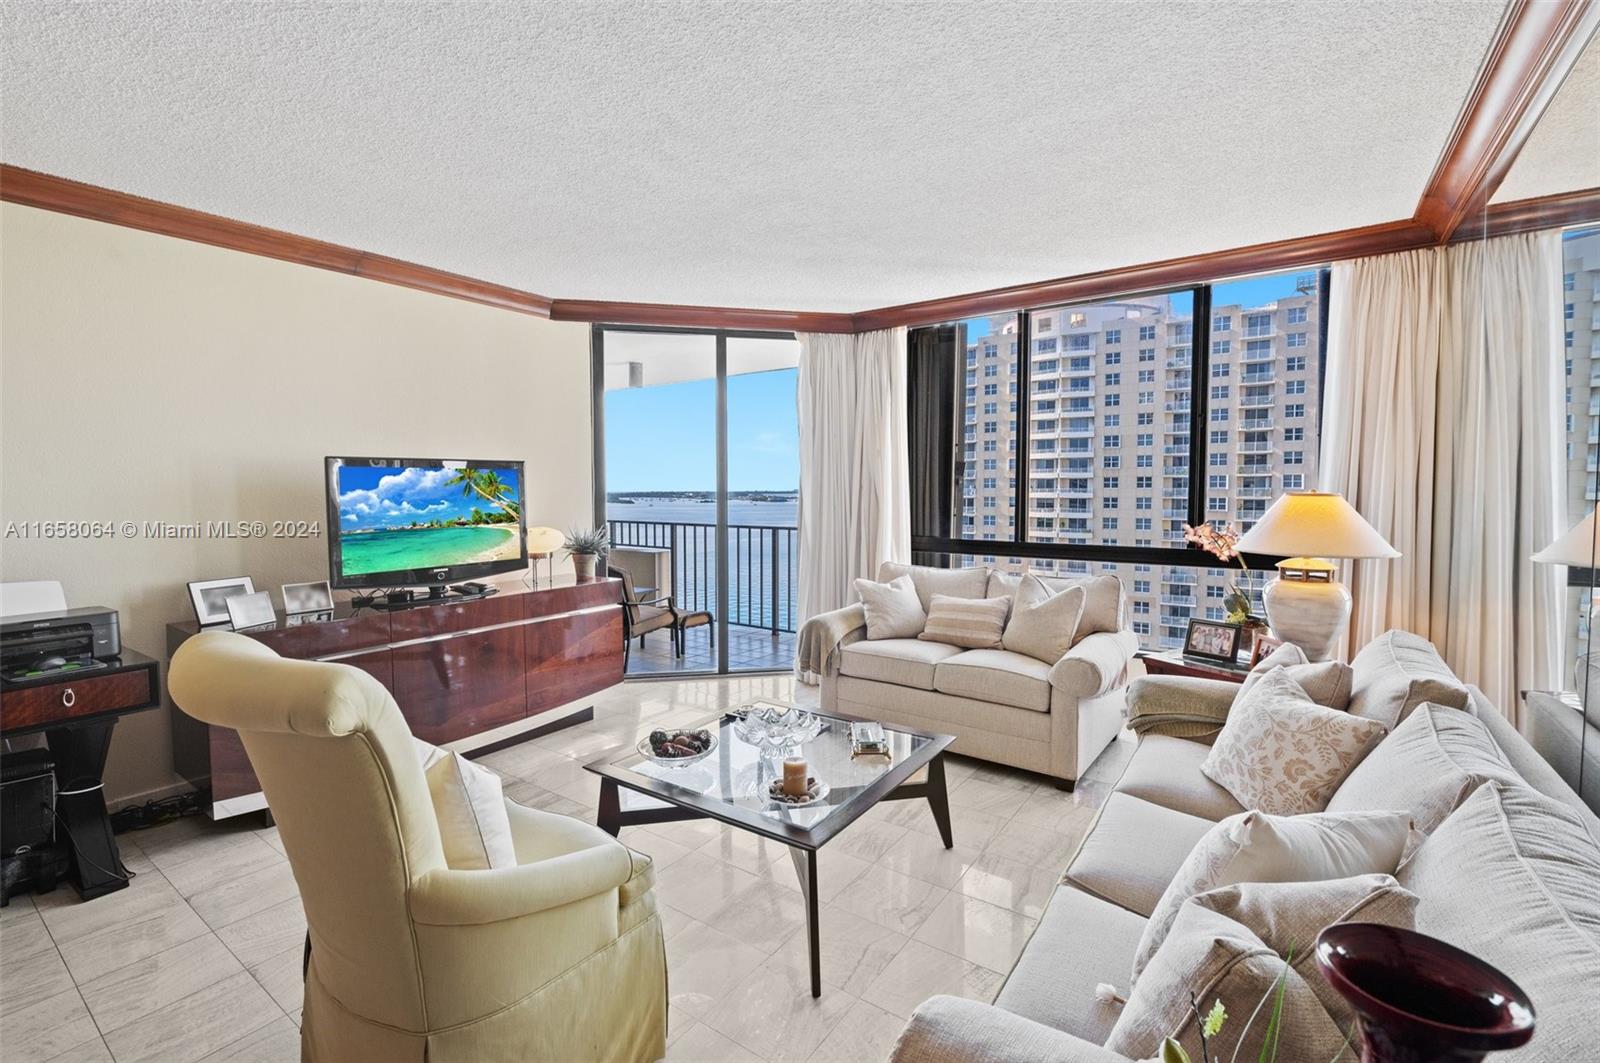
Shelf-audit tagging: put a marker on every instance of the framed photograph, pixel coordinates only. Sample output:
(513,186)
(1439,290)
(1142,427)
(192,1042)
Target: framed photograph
(251,610)
(307,597)
(1213,640)
(210,597)
(1264,644)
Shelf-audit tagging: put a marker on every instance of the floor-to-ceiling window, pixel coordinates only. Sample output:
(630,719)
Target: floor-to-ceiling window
(696,466)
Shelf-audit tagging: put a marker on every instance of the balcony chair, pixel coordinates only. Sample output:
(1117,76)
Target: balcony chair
(558,958)
(640,616)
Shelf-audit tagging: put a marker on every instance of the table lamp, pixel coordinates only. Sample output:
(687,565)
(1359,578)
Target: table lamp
(1305,604)
(1578,549)
(544,542)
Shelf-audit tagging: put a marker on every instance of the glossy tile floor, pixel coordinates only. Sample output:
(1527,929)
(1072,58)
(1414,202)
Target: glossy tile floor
(199,959)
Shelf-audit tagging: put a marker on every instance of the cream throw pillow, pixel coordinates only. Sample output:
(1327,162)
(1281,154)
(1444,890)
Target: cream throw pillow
(1215,958)
(893,609)
(1325,682)
(1044,622)
(1255,847)
(1428,766)
(972,623)
(470,806)
(1281,752)
(1288,916)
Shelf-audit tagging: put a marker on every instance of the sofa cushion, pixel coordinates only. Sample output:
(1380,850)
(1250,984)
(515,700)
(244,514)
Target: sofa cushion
(1256,847)
(1396,672)
(1281,752)
(1102,604)
(971,623)
(1166,771)
(893,609)
(1133,851)
(954,582)
(1325,682)
(1044,622)
(997,676)
(1510,877)
(1210,957)
(1081,941)
(903,662)
(1428,766)
(1288,916)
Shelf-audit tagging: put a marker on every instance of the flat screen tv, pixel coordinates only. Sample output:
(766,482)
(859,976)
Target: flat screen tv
(410,521)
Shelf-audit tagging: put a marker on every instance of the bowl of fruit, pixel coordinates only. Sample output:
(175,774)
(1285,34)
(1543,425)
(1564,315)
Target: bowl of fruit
(677,749)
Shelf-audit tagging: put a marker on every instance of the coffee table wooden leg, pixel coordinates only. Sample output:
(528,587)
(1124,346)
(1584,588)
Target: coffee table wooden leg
(805,866)
(939,800)
(609,818)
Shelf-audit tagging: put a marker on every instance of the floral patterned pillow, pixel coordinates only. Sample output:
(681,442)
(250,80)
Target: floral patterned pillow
(1281,752)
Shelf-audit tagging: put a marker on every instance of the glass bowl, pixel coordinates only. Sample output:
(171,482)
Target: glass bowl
(643,746)
(771,728)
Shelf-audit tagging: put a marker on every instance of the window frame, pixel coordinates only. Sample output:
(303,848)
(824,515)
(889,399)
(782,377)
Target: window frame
(928,546)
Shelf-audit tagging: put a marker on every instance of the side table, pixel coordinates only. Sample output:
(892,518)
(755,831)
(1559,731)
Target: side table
(1171,662)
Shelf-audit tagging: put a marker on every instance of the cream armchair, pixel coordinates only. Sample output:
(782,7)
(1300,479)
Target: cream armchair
(558,958)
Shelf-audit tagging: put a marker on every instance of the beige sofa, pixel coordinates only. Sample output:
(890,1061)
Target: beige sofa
(1001,706)
(1519,898)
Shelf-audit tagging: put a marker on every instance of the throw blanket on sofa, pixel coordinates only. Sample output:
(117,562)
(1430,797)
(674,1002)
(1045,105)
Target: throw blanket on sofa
(820,637)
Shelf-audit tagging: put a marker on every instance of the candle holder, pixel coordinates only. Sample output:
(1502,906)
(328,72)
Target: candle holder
(1420,1000)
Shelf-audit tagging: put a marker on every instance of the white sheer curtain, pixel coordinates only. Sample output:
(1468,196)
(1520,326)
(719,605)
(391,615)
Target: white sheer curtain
(855,498)
(1442,425)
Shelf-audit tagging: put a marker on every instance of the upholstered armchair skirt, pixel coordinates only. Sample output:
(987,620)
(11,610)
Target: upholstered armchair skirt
(557,958)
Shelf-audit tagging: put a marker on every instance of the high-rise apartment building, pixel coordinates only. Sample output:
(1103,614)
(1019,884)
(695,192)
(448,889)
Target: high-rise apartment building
(1580,299)
(1110,395)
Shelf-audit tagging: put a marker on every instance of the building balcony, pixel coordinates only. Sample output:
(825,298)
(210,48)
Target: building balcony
(1259,376)
(1256,424)
(1077,433)
(1252,470)
(1173,513)
(1176,492)
(1256,446)
(1257,402)
(1185,361)
(1249,357)
(1186,601)
(1181,576)
(1176,449)
(1256,492)
(1178,407)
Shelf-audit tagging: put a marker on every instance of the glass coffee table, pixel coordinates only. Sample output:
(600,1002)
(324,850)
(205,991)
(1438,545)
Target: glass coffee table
(730,785)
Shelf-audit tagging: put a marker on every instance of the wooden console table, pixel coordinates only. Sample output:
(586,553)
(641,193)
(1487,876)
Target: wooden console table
(455,668)
(77,714)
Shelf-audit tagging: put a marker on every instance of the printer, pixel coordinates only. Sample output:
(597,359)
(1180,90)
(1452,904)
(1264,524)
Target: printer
(59,642)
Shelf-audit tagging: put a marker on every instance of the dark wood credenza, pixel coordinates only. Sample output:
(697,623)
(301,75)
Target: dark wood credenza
(456,669)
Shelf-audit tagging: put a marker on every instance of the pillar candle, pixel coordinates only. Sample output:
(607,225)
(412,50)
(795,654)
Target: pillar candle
(794,776)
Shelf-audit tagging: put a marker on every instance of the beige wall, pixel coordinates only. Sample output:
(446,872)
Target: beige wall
(145,378)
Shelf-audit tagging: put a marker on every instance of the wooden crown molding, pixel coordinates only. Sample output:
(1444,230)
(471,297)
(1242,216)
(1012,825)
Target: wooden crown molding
(1528,215)
(1534,49)
(33,189)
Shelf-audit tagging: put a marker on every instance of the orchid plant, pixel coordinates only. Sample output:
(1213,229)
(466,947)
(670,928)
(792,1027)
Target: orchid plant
(1222,543)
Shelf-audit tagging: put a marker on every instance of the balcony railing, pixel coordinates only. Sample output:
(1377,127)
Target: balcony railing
(763,567)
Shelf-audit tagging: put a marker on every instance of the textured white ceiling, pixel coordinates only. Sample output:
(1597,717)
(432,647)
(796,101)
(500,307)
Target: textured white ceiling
(1563,154)
(823,156)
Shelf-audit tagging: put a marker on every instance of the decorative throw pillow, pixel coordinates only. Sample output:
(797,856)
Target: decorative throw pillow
(1281,752)
(1210,957)
(1396,672)
(956,582)
(893,609)
(1102,601)
(1325,682)
(1428,766)
(1288,916)
(1044,622)
(973,623)
(1255,847)
(470,806)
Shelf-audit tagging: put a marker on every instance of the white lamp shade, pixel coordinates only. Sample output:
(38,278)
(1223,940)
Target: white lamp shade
(545,540)
(1314,524)
(1575,549)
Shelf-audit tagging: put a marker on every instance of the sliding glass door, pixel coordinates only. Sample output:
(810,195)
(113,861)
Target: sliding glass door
(696,472)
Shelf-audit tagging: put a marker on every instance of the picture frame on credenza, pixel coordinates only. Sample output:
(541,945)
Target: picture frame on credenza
(314,597)
(1213,640)
(210,597)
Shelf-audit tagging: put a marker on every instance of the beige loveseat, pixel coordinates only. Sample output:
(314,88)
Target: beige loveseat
(1524,895)
(1001,706)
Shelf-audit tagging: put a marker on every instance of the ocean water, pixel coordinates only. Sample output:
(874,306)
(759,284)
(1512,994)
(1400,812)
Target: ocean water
(388,551)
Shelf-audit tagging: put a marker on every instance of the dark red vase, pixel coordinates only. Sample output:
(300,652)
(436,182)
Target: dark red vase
(1420,1000)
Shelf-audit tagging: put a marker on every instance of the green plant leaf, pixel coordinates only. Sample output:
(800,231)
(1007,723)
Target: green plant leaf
(1215,1018)
(1269,1042)
(1172,1052)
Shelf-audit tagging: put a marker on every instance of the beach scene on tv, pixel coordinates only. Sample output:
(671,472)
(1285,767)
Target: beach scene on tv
(393,518)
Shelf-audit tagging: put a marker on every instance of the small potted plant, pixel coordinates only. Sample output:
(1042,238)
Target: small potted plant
(585,545)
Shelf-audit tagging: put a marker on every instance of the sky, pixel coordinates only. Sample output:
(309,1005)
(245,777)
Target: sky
(386,498)
(664,438)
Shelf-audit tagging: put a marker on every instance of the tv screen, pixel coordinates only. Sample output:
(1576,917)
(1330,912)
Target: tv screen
(407,521)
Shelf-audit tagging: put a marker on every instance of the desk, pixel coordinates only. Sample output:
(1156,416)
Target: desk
(76,715)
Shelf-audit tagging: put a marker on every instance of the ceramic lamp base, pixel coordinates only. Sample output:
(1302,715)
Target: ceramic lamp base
(1310,614)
